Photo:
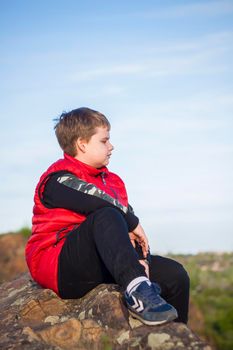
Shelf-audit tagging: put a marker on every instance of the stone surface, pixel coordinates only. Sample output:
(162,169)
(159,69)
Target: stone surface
(35,318)
(12,260)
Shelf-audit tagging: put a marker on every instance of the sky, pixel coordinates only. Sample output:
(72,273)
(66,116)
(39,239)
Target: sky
(162,73)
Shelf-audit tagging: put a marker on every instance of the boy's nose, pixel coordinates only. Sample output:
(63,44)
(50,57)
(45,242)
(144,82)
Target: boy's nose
(111,147)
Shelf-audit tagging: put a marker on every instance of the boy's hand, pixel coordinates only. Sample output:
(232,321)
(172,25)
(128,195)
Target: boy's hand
(138,235)
(146,267)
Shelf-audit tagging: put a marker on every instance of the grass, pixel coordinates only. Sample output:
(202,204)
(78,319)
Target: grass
(212,292)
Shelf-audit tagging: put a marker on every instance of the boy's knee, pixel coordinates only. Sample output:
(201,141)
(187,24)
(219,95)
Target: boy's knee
(182,276)
(109,214)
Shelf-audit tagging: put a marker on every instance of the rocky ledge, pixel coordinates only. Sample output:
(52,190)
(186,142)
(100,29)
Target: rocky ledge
(35,318)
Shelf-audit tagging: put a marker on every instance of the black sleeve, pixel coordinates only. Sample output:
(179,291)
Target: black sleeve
(59,195)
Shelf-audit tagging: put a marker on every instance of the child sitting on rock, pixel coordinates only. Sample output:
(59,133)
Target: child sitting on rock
(85,232)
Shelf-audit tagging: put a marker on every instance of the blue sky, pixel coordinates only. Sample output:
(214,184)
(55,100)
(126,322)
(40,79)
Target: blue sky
(161,71)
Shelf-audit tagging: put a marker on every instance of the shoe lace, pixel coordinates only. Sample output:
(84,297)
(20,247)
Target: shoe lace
(152,295)
(156,287)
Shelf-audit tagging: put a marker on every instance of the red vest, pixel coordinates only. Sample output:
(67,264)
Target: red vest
(49,226)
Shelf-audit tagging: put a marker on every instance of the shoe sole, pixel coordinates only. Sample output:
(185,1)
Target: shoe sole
(151,323)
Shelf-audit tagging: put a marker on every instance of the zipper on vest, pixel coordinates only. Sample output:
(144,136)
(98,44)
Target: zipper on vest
(63,233)
(103,178)
(60,235)
(104,182)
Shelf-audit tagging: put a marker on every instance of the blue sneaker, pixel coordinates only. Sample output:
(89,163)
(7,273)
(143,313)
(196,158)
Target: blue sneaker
(146,305)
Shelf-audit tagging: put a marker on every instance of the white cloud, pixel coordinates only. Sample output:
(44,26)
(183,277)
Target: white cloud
(204,8)
(162,122)
(202,55)
(107,70)
(220,39)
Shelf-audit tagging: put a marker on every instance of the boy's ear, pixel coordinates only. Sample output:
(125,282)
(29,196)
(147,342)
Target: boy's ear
(81,145)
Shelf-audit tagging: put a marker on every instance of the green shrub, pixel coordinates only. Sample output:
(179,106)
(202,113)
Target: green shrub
(25,231)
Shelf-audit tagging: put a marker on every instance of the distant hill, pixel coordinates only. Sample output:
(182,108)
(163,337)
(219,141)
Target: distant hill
(211,302)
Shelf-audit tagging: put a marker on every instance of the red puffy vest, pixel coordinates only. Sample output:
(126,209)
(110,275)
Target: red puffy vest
(49,226)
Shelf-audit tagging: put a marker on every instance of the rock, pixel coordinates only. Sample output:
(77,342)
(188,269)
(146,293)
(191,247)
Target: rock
(35,318)
(12,259)
(156,340)
(65,335)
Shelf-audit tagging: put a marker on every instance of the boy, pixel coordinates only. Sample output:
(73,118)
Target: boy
(85,233)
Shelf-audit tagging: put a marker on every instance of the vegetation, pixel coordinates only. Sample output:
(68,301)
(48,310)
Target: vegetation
(211,277)
(25,231)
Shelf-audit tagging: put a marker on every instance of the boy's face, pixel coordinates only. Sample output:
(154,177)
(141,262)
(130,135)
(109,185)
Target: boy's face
(97,151)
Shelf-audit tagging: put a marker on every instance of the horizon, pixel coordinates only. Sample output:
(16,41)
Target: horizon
(161,73)
(168,253)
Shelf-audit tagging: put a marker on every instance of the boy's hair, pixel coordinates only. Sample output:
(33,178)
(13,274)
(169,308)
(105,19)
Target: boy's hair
(80,122)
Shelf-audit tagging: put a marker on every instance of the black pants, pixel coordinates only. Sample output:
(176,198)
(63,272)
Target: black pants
(100,251)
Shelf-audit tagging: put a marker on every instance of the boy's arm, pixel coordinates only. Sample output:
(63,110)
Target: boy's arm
(140,243)
(62,191)
(139,238)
